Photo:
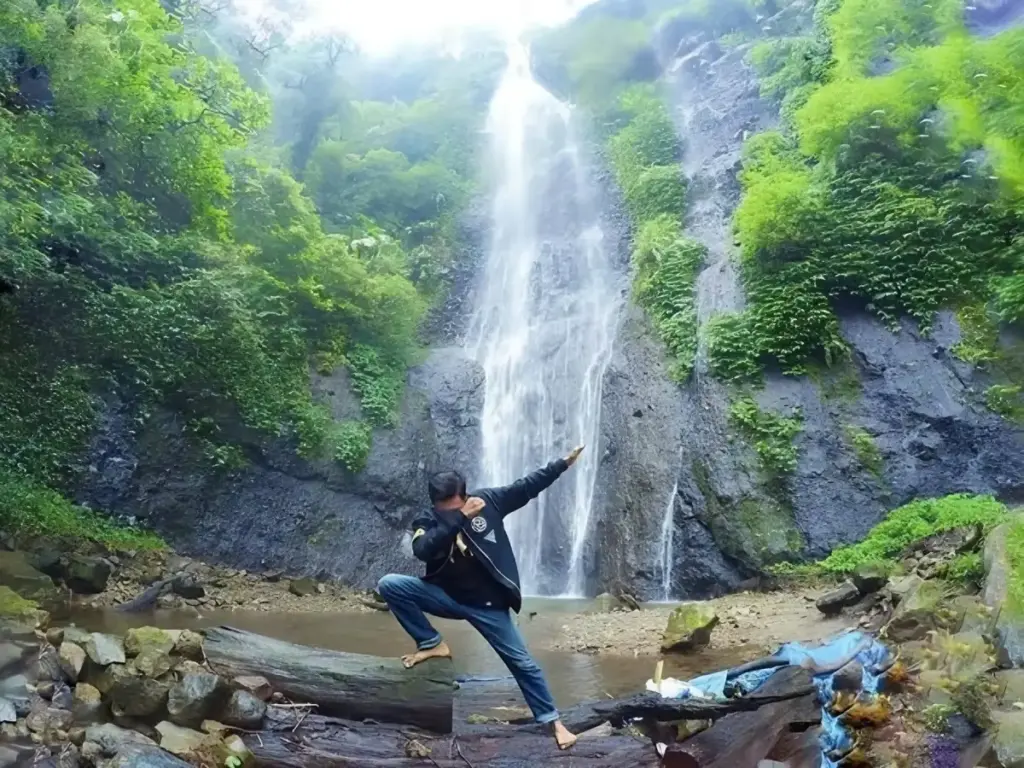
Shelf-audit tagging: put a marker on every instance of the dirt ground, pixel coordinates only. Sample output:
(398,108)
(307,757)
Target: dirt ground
(747,619)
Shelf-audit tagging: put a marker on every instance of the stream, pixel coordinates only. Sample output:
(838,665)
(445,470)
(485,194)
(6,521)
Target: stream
(573,677)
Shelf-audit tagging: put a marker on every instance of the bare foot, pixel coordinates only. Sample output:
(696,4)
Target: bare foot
(441,651)
(563,738)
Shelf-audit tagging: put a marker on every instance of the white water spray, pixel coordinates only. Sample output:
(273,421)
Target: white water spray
(544,325)
(666,543)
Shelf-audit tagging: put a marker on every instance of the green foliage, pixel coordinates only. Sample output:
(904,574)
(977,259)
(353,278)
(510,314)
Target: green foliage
(864,448)
(979,335)
(731,356)
(350,441)
(967,569)
(1006,400)
(1015,556)
(32,511)
(666,266)
(936,717)
(379,383)
(913,522)
(770,434)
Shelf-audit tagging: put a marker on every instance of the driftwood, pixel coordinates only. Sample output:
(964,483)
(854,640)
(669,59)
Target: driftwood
(146,600)
(745,738)
(346,685)
(321,742)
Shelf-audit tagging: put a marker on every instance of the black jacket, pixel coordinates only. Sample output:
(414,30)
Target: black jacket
(484,534)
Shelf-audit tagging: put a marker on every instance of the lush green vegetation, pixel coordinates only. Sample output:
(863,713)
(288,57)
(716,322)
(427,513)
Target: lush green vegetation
(902,192)
(770,434)
(1015,554)
(156,242)
(864,448)
(913,522)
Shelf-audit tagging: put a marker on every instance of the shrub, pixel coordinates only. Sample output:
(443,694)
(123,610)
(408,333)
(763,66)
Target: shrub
(771,435)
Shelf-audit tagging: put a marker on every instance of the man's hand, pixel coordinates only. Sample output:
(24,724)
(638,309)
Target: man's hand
(575,454)
(473,507)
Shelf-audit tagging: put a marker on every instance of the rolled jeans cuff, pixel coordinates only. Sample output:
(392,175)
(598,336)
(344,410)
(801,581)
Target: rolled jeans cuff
(426,645)
(550,717)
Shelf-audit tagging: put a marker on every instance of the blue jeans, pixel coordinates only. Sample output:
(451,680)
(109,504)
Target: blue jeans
(410,599)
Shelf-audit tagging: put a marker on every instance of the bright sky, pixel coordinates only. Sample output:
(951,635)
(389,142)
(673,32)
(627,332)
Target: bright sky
(383,26)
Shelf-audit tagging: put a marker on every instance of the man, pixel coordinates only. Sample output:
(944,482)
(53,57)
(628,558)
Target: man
(471,574)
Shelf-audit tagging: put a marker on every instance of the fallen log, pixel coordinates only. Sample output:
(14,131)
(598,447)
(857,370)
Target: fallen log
(320,742)
(348,685)
(788,683)
(745,738)
(146,600)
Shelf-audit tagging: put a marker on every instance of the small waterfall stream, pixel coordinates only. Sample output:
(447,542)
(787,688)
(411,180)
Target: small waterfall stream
(665,544)
(544,324)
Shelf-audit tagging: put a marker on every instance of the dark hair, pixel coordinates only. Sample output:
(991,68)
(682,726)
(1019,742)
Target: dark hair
(445,485)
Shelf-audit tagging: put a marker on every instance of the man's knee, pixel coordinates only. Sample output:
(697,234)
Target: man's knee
(389,585)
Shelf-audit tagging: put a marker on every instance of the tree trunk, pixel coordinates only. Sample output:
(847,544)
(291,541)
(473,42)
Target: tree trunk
(346,685)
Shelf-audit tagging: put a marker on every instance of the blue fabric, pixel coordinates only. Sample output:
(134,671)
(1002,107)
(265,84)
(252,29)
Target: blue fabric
(751,681)
(410,599)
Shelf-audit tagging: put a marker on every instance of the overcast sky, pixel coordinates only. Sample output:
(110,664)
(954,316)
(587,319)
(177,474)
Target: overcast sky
(383,26)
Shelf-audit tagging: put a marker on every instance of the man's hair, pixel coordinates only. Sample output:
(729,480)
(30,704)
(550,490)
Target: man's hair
(444,485)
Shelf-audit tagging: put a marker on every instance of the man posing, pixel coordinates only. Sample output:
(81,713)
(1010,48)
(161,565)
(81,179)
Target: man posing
(471,574)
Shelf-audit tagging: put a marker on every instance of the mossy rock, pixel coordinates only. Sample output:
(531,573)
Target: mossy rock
(141,639)
(15,608)
(921,611)
(17,573)
(689,627)
(999,575)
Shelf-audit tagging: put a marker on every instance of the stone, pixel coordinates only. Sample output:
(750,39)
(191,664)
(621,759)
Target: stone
(235,747)
(1009,739)
(153,662)
(919,613)
(190,645)
(138,756)
(17,574)
(213,727)
(48,560)
(139,696)
(91,752)
(244,711)
(61,697)
(77,736)
(72,659)
(67,757)
(106,678)
(869,578)
(182,742)
(49,664)
(195,698)
(188,667)
(188,586)
(843,596)
(110,738)
(147,638)
(105,649)
(8,714)
(302,587)
(55,636)
(689,627)
(17,611)
(48,720)
(87,575)
(45,689)
(258,686)
(1011,684)
(998,576)
(76,635)
(87,704)
(606,603)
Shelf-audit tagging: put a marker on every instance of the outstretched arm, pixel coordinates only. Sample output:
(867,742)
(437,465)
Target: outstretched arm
(516,496)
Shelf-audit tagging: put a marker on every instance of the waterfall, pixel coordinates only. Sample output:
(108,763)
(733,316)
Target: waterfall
(544,324)
(665,542)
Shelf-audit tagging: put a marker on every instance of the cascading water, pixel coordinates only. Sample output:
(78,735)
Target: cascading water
(544,325)
(665,542)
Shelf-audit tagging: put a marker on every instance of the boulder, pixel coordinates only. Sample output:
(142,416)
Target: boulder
(8,713)
(87,575)
(195,698)
(138,756)
(187,585)
(76,635)
(142,639)
(182,742)
(153,662)
(77,736)
(869,578)
(244,711)
(55,636)
(105,678)
(134,696)
(606,603)
(843,596)
(61,696)
(15,610)
(105,649)
(87,705)
(49,664)
(920,612)
(689,627)
(1009,739)
(302,587)
(72,659)
(111,739)
(17,573)
(190,645)
(47,559)
(998,575)
(48,720)
(258,686)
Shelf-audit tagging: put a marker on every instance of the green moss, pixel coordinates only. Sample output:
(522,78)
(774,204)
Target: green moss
(913,522)
(1015,558)
(13,606)
(967,569)
(771,436)
(1006,400)
(838,383)
(31,511)
(864,448)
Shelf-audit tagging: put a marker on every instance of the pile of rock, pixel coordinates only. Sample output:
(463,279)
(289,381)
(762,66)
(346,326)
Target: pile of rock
(145,699)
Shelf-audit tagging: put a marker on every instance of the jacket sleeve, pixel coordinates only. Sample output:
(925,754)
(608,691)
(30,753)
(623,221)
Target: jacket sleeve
(432,537)
(516,496)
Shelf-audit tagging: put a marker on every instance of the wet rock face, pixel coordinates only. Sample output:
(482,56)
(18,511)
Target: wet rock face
(306,517)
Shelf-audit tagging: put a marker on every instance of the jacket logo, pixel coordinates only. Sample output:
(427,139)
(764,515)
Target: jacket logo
(479,524)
